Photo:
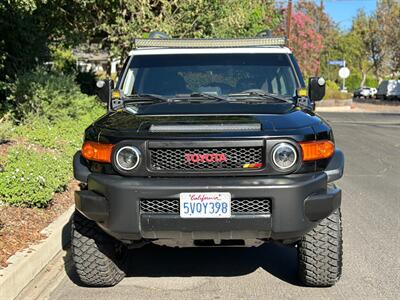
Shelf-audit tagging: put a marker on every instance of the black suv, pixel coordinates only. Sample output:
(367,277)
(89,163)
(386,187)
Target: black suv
(208,142)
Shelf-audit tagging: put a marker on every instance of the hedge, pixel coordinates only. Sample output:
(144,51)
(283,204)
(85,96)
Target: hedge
(48,130)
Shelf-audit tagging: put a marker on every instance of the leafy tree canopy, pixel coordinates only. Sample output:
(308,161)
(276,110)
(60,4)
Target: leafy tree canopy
(28,27)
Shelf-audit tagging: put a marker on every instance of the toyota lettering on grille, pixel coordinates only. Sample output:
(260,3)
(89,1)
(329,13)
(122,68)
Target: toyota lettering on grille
(207,157)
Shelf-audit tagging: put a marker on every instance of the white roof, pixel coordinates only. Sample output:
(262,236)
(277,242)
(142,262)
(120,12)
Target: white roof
(157,51)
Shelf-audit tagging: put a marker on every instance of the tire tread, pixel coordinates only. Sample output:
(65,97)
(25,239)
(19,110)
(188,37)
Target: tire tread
(92,253)
(320,253)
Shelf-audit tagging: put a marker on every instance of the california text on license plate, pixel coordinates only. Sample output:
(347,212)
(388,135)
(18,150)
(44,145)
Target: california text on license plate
(205,205)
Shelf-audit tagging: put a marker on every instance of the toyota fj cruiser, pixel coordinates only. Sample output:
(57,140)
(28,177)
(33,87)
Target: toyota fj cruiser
(208,142)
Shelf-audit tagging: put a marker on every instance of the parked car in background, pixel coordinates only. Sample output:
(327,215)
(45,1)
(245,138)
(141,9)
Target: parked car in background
(365,92)
(373,92)
(389,89)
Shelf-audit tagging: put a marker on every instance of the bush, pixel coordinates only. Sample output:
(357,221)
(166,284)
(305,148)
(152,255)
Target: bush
(87,82)
(52,113)
(371,82)
(333,92)
(6,131)
(331,85)
(48,95)
(63,60)
(30,178)
(353,82)
(64,135)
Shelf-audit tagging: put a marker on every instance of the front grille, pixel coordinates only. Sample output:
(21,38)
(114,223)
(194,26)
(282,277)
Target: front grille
(258,206)
(238,206)
(159,206)
(175,159)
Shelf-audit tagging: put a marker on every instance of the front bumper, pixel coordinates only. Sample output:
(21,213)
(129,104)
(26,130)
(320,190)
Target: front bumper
(298,202)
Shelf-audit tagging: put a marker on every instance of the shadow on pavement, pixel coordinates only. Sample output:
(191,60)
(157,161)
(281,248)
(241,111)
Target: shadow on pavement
(161,261)
(157,261)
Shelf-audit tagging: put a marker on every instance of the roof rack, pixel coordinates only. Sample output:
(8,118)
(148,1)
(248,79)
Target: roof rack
(208,43)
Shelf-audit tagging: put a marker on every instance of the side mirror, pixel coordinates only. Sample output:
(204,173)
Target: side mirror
(316,88)
(104,89)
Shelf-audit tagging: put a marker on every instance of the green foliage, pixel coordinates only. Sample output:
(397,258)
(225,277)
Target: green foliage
(23,5)
(87,82)
(336,94)
(64,135)
(23,41)
(30,178)
(331,85)
(353,82)
(355,79)
(370,47)
(332,92)
(6,131)
(51,130)
(63,60)
(37,31)
(48,95)
(125,20)
(371,81)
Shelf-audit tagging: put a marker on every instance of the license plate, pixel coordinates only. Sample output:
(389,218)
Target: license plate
(205,205)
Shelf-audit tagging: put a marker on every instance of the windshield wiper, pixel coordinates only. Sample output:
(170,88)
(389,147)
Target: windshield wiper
(208,96)
(142,97)
(262,94)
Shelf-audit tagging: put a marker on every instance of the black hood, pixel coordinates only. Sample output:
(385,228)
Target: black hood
(176,108)
(265,119)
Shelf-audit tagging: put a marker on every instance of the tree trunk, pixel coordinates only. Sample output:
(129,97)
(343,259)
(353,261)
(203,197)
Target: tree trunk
(363,78)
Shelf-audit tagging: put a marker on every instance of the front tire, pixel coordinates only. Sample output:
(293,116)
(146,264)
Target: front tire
(98,258)
(320,253)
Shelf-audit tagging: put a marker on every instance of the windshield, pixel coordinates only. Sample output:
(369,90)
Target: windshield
(216,74)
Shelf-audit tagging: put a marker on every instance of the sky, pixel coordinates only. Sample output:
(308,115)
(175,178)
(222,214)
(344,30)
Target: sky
(342,11)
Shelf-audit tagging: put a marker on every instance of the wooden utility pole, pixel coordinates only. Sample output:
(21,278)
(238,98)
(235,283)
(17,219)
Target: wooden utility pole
(321,11)
(288,21)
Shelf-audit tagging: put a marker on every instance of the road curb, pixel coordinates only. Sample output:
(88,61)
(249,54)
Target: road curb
(334,103)
(25,265)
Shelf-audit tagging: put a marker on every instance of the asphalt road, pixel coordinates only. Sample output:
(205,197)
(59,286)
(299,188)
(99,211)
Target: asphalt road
(371,220)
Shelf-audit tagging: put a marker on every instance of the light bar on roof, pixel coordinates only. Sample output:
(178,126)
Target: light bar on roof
(208,43)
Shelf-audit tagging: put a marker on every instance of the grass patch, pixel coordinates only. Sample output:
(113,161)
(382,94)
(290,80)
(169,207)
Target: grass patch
(337,95)
(64,135)
(50,115)
(332,92)
(6,131)
(30,178)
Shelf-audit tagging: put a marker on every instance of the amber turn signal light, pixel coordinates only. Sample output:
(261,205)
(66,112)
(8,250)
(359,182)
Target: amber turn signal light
(316,150)
(97,151)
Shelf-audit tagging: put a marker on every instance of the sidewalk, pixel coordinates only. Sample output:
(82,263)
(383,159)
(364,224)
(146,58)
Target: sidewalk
(382,108)
(364,107)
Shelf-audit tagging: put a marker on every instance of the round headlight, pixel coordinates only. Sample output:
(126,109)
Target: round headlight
(127,158)
(284,156)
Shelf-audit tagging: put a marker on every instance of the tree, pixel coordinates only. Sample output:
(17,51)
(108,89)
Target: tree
(387,24)
(365,48)
(22,41)
(376,38)
(31,30)
(305,42)
(323,25)
(114,24)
